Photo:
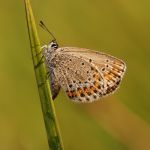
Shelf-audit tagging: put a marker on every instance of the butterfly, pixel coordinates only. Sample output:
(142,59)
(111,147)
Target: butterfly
(85,75)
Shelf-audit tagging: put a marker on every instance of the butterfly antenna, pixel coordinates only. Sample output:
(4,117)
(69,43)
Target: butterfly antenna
(42,25)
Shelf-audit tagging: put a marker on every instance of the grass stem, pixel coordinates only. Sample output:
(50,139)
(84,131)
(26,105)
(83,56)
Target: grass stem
(48,109)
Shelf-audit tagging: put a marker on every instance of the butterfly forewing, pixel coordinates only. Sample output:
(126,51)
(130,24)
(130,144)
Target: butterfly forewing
(87,75)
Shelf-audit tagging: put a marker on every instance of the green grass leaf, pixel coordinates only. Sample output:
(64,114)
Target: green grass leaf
(53,133)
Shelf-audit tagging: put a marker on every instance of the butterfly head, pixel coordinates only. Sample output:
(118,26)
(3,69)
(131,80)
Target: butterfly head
(52,46)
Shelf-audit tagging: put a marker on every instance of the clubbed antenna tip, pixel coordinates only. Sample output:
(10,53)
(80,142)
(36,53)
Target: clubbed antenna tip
(43,26)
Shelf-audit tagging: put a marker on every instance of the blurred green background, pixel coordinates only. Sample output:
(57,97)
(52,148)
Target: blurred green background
(118,122)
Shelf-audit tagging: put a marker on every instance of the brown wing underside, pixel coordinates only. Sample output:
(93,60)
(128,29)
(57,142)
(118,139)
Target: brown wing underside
(87,75)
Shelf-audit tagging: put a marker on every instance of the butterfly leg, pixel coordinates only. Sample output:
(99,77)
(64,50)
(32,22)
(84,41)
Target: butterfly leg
(47,76)
(42,49)
(41,60)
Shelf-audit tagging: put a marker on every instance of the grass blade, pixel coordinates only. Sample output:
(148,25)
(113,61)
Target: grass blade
(53,134)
